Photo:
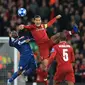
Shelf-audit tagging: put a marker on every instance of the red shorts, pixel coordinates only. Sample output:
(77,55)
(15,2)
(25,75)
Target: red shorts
(44,82)
(64,74)
(45,48)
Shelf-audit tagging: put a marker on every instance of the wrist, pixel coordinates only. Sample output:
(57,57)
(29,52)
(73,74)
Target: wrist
(58,16)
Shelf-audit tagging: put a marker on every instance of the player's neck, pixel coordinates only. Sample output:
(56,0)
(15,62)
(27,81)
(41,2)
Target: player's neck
(37,25)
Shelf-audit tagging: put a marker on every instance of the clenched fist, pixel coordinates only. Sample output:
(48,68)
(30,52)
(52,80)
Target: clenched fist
(58,16)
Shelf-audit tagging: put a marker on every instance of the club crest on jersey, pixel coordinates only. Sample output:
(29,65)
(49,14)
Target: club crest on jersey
(38,29)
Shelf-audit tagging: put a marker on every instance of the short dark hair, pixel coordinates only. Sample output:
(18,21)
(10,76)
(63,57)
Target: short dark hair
(14,33)
(37,16)
(56,38)
(62,36)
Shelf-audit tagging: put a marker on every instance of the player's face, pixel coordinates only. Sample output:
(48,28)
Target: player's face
(14,34)
(37,21)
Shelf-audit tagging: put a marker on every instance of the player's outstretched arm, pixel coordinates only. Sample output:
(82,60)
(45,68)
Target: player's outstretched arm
(10,37)
(11,43)
(52,21)
(21,27)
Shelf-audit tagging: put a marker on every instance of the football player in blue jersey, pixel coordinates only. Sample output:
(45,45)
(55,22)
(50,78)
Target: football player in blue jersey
(27,63)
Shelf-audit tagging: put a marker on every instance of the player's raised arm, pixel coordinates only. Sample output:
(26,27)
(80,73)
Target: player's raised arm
(10,37)
(10,40)
(52,21)
(21,27)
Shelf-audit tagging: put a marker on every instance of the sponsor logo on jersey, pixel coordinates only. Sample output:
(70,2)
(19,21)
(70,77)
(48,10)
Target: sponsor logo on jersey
(38,29)
(64,46)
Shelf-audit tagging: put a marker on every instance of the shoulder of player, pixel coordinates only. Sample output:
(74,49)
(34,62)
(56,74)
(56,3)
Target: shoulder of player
(43,25)
(55,46)
(70,46)
(33,26)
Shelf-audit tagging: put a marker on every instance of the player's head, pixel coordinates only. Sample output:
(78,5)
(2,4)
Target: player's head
(37,20)
(62,36)
(56,38)
(14,34)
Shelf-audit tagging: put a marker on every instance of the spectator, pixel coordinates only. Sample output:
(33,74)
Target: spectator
(44,9)
(82,69)
(34,6)
(72,11)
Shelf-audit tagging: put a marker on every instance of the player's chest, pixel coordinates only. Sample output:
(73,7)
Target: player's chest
(39,31)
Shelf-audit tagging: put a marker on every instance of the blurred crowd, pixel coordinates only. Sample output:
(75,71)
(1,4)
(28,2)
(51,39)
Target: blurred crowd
(6,69)
(72,11)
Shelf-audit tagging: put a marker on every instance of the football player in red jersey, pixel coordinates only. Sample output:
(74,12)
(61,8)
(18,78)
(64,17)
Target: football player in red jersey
(41,75)
(38,31)
(64,55)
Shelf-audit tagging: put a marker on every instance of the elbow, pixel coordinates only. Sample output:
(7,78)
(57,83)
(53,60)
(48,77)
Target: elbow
(10,45)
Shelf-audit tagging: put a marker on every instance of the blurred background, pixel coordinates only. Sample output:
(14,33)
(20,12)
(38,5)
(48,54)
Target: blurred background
(72,11)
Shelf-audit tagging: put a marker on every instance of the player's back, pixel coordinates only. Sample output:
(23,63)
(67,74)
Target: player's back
(64,55)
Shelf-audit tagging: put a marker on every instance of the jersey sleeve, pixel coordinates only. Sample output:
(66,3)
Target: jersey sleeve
(21,42)
(11,42)
(29,27)
(72,55)
(50,22)
(30,38)
(52,56)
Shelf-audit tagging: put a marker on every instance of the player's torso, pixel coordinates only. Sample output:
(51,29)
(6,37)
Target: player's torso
(23,48)
(63,54)
(41,75)
(39,34)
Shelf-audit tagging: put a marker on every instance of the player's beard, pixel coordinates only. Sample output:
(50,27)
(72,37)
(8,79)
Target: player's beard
(37,25)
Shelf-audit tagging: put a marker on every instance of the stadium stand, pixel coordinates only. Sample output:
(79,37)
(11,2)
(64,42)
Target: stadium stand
(72,11)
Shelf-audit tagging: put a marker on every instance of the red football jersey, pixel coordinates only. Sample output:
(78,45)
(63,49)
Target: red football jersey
(63,53)
(39,33)
(41,75)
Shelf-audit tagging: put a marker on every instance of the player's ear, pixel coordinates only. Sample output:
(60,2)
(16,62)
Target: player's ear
(33,20)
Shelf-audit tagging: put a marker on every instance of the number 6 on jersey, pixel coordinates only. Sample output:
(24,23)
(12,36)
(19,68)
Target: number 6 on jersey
(65,54)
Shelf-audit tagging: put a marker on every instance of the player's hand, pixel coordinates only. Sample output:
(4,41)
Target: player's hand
(45,62)
(10,34)
(8,30)
(28,40)
(58,16)
(21,27)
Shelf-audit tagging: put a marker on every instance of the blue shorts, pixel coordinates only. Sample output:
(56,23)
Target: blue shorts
(27,61)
